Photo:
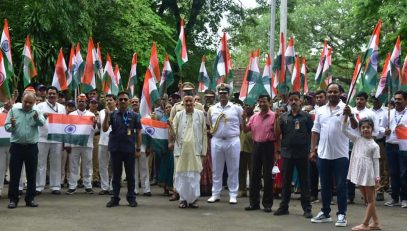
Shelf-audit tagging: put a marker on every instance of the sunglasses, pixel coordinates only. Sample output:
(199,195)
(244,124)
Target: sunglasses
(123,99)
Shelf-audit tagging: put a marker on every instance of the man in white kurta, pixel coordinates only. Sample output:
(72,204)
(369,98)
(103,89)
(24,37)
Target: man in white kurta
(189,146)
(48,148)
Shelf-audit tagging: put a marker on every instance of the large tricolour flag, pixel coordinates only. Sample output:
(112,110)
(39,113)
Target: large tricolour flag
(371,57)
(72,130)
(155,133)
(133,76)
(203,77)
(6,50)
(181,48)
(88,79)
(4,135)
(61,72)
(29,70)
(150,93)
(4,79)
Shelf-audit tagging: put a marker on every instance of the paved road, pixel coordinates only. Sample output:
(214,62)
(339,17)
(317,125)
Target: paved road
(88,212)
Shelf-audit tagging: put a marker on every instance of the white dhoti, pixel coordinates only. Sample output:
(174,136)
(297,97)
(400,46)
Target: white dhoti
(188,186)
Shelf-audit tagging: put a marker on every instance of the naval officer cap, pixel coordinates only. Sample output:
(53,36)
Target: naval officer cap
(223,88)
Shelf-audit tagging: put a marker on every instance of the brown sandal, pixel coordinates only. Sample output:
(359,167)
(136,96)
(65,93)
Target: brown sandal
(183,205)
(194,204)
(174,197)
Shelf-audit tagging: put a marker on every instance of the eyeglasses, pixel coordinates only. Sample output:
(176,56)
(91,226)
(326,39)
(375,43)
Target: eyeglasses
(123,99)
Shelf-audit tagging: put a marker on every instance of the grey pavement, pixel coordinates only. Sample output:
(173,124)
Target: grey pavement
(88,212)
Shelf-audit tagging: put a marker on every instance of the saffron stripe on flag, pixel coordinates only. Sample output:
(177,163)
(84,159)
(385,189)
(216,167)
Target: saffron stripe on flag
(70,119)
(153,123)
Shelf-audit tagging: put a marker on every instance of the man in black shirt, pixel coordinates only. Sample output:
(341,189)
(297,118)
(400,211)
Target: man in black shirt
(295,129)
(125,134)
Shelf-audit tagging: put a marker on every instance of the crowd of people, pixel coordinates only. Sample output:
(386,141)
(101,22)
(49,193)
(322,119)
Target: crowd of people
(299,143)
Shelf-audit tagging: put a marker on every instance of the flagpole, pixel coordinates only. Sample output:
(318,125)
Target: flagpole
(16,81)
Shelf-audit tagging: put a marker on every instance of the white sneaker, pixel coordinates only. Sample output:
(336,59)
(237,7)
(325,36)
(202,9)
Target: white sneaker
(404,203)
(232,200)
(213,199)
(321,218)
(392,203)
(341,222)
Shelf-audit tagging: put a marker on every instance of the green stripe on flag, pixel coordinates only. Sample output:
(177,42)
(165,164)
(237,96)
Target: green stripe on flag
(80,140)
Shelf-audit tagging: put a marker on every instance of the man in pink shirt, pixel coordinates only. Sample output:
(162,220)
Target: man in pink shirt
(261,124)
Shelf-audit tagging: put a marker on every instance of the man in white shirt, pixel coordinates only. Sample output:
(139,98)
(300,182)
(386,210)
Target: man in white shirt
(332,157)
(81,155)
(397,151)
(225,119)
(103,152)
(48,148)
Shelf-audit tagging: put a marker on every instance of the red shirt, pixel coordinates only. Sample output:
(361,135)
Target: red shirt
(262,126)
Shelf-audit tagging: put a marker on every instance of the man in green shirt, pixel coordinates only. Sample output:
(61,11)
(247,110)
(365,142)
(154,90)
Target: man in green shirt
(22,121)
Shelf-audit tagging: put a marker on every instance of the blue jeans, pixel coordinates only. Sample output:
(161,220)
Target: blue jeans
(339,169)
(397,163)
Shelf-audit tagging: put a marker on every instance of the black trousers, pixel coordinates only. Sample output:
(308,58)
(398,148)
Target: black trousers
(117,160)
(313,178)
(262,158)
(19,154)
(287,170)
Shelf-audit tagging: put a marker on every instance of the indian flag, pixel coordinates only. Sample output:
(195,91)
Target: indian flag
(70,129)
(4,135)
(29,70)
(385,83)
(118,77)
(279,68)
(326,78)
(109,79)
(88,80)
(6,50)
(296,76)
(401,134)
(150,92)
(289,61)
(155,133)
(395,65)
(61,72)
(256,85)
(133,75)
(78,67)
(403,76)
(69,81)
(4,81)
(304,79)
(267,73)
(203,77)
(371,57)
(167,78)
(181,48)
(354,84)
(223,64)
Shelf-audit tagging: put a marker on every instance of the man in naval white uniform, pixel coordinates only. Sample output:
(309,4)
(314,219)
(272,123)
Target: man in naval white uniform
(225,120)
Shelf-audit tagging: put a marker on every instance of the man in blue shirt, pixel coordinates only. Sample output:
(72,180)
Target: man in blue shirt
(125,134)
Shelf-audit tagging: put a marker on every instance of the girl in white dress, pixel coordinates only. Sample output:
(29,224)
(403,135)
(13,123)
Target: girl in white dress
(364,168)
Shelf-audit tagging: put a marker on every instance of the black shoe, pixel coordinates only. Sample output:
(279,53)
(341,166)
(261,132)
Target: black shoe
(351,201)
(281,211)
(380,196)
(12,205)
(37,193)
(267,209)
(147,194)
(112,203)
(104,192)
(56,192)
(89,191)
(251,208)
(133,204)
(20,192)
(6,181)
(31,203)
(71,191)
(110,192)
(308,214)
